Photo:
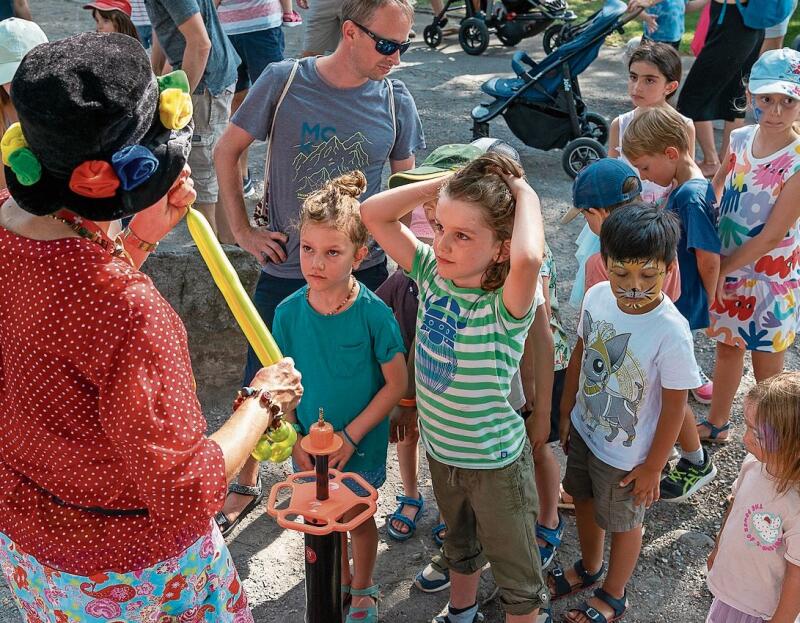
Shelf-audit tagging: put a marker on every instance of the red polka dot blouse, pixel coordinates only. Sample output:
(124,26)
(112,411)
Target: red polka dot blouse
(104,463)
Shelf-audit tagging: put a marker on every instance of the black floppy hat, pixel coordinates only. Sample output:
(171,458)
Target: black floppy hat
(92,136)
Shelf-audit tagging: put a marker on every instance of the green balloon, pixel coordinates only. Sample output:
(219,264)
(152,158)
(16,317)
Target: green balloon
(25,166)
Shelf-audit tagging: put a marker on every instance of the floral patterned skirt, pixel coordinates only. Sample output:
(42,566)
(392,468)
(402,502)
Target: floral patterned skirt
(197,586)
(759,315)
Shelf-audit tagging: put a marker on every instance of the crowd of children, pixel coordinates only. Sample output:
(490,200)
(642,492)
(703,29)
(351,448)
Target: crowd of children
(677,254)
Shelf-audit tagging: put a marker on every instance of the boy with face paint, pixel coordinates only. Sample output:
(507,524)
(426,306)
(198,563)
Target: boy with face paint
(659,146)
(623,406)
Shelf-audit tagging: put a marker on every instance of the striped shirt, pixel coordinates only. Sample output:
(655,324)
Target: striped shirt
(468,348)
(242,16)
(139,15)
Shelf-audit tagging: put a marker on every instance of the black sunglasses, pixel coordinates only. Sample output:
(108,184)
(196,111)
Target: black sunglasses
(387,47)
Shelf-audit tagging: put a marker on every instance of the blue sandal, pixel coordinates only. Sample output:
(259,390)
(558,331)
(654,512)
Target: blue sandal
(397,515)
(359,614)
(437,533)
(562,587)
(552,538)
(714,431)
(619,606)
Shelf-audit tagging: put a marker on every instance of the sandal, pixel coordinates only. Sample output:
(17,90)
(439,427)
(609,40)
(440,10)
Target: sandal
(714,432)
(359,614)
(619,606)
(227,526)
(564,589)
(552,538)
(397,515)
(437,533)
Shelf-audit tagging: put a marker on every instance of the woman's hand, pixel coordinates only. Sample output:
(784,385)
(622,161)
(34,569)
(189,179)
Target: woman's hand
(282,381)
(155,222)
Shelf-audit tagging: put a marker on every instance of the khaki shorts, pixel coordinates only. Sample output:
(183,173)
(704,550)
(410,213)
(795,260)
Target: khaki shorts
(588,477)
(323,26)
(211,116)
(490,514)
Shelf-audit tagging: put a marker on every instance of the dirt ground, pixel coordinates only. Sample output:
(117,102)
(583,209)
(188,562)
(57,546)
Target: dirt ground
(669,583)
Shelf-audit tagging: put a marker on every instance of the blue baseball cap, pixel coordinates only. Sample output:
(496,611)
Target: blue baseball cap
(601,185)
(777,71)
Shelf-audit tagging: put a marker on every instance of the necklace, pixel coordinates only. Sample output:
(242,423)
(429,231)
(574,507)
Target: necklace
(85,229)
(342,304)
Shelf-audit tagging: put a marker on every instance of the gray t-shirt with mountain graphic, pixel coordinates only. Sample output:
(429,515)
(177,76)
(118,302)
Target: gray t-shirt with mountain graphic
(321,132)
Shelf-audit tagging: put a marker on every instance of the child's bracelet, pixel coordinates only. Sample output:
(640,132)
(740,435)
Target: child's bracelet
(408,402)
(351,442)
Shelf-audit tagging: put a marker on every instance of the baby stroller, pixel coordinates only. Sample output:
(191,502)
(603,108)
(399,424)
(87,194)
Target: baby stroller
(542,104)
(511,20)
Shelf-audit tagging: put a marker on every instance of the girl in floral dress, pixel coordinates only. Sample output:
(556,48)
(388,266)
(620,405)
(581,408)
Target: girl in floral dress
(756,307)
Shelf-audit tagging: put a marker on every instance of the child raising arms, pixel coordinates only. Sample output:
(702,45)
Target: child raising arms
(754,570)
(477,289)
(756,305)
(347,344)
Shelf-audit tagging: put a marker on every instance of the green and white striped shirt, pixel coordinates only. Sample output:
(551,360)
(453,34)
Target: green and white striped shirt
(468,348)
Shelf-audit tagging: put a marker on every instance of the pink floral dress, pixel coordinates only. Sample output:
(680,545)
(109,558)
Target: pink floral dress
(762,311)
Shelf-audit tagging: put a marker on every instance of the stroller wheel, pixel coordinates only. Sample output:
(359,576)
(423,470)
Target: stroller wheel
(596,127)
(473,35)
(580,153)
(432,35)
(554,36)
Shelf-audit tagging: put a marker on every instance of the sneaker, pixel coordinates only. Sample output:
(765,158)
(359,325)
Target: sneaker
(687,478)
(446,618)
(248,188)
(292,19)
(703,393)
(431,580)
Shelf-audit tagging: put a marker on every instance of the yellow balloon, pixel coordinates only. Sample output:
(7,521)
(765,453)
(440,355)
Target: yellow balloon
(12,140)
(229,284)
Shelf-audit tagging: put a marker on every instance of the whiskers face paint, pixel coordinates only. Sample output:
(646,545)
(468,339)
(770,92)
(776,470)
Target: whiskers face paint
(636,284)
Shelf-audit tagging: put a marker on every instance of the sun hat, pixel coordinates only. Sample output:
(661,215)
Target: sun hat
(98,134)
(17,38)
(776,71)
(449,158)
(110,5)
(600,185)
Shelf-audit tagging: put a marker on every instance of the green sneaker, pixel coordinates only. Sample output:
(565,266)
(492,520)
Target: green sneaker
(687,478)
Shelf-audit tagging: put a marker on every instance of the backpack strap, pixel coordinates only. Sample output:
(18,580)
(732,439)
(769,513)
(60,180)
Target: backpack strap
(393,109)
(274,118)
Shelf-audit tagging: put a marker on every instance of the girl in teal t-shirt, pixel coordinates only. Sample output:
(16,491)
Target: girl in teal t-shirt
(346,343)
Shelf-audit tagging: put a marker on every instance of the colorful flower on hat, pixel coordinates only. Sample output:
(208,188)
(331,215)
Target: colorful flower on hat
(13,139)
(175,100)
(16,155)
(95,179)
(134,165)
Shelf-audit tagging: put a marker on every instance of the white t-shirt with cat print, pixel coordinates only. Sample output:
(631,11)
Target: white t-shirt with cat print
(761,535)
(627,360)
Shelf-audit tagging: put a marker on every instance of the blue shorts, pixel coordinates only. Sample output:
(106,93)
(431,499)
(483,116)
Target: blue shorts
(146,35)
(257,50)
(375,477)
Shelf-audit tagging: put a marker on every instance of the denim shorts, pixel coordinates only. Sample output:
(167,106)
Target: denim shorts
(374,477)
(257,50)
(145,35)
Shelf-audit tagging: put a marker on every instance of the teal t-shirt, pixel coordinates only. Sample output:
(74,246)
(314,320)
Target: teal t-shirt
(340,359)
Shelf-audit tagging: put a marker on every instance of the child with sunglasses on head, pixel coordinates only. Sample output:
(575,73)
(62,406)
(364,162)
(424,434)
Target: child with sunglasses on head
(623,405)
(348,346)
(754,568)
(477,287)
(756,307)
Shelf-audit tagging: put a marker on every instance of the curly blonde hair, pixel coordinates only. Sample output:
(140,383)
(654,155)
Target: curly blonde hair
(336,205)
(777,419)
(481,184)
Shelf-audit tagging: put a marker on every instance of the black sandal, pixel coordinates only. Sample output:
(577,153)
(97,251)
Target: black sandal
(562,586)
(619,606)
(227,526)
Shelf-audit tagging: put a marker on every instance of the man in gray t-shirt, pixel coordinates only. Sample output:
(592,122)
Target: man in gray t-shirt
(340,113)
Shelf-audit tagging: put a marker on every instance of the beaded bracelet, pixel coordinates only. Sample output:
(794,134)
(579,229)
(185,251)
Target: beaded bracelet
(351,442)
(264,401)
